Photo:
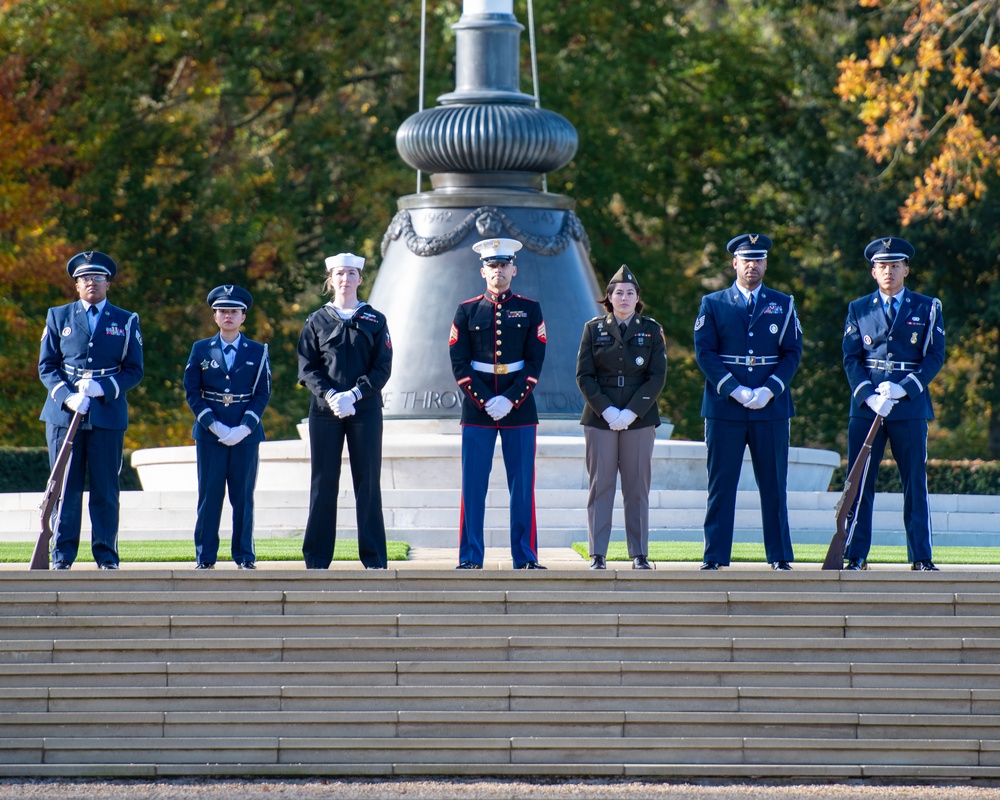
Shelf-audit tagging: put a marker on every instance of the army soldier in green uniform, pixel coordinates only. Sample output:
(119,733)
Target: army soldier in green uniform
(620,369)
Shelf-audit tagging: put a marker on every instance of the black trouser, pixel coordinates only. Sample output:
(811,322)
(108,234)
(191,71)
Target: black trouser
(363,432)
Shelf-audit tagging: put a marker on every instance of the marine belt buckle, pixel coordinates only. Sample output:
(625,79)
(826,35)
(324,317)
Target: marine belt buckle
(751,361)
(500,369)
(227,399)
(888,368)
(87,373)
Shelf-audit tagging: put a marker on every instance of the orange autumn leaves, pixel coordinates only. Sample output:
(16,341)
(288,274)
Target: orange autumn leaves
(928,93)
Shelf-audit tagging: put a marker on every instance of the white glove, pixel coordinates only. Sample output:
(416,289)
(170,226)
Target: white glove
(761,397)
(742,394)
(891,390)
(611,414)
(341,403)
(499,407)
(220,430)
(235,436)
(624,420)
(78,403)
(90,387)
(346,405)
(880,404)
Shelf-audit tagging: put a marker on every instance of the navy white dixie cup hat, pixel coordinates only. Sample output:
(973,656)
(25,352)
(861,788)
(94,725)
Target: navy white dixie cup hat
(889,248)
(345,260)
(497,249)
(230,297)
(91,262)
(750,246)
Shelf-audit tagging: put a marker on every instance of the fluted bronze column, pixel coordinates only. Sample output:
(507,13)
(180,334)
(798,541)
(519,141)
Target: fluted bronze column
(486,148)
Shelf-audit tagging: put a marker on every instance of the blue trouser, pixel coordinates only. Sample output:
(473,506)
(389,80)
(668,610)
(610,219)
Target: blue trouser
(97,454)
(908,439)
(768,443)
(363,433)
(518,446)
(219,467)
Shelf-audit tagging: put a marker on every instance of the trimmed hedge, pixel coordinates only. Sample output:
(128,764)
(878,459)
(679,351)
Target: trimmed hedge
(26,469)
(943,477)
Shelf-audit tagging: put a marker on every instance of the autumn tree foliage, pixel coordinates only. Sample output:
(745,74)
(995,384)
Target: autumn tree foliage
(929,89)
(32,248)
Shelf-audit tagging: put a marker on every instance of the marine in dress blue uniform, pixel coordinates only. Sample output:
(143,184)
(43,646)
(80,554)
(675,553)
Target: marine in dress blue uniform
(892,351)
(497,346)
(227,382)
(345,359)
(90,356)
(749,353)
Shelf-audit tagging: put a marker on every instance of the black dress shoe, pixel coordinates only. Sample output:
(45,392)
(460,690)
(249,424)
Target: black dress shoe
(109,565)
(469,565)
(204,566)
(924,566)
(781,566)
(598,562)
(710,565)
(855,565)
(531,565)
(247,565)
(61,565)
(374,567)
(641,562)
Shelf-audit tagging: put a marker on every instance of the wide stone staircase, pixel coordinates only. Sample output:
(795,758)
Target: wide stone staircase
(672,673)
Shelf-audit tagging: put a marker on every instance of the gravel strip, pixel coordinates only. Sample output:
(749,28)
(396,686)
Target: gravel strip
(471,789)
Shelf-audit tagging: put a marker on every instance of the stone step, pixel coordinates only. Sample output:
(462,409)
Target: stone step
(730,699)
(20,588)
(604,676)
(471,724)
(588,626)
(243,600)
(512,648)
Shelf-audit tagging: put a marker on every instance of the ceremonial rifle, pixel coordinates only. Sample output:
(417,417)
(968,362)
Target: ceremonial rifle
(848,500)
(53,496)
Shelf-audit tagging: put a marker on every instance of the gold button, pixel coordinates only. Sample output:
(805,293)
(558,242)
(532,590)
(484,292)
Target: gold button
(499,352)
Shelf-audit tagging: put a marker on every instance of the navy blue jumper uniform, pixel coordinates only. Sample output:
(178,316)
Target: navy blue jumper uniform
(733,349)
(344,355)
(497,346)
(234,397)
(112,357)
(909,353)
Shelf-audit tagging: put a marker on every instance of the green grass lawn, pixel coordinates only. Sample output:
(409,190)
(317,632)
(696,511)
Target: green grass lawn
(183,551)
(805,553)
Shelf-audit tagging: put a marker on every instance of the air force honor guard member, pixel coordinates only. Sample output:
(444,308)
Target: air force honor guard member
(90,356)
(748,343)
(228,383)
(497,346)
(893,348)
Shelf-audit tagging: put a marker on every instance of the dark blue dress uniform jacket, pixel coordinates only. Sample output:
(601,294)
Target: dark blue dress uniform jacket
(724,328)
(498,329)
(343,354)
(206,372)
(915,346)
(115,349)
